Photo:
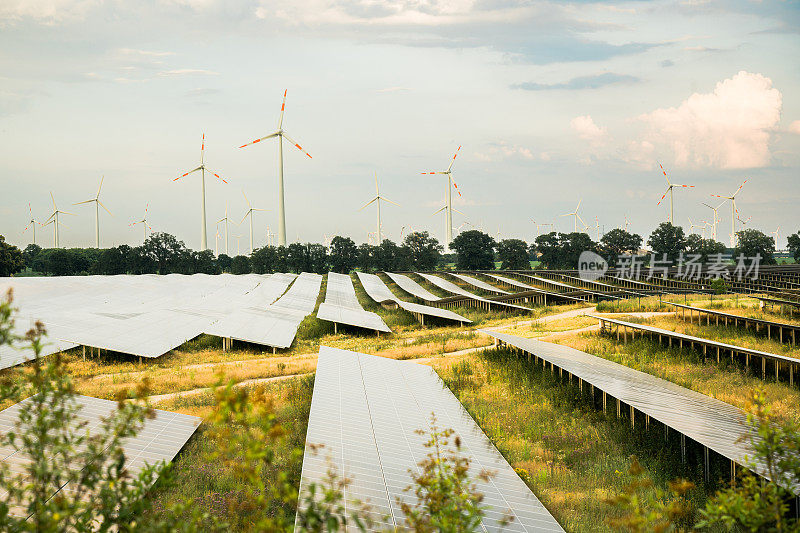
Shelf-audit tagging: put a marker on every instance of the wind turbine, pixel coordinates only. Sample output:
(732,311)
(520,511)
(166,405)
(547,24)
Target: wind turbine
(577,216)
(627,223)
(692,226)
(777,230)
(449,205)
(270,235)
(216,240)
(403,229)
(734,212)
(143,222)
(597,222)
(31,224)
(280,134)
(226,220)
(54,219)
(202,168)
(377,201)
(716,219)
(250,214)
(97,205)
(669,190)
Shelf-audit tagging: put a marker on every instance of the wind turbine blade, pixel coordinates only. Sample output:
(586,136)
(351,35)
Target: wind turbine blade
(454,158)
(54,201)
(456,186)
(566,215)
(368,203)
(104,207)
(665,174)
(101,186)
(739,189)
(579,206)
(26,227)
(261,139)
(663,196)
(296,145)
(246,200)
(725,197)
(439,210)
(677,185)
(283,108)
(245,215)
(218,176)
(85,202)
(391,202)
(377,193)
(705,204)
(187,173)
(457,211)
(66,213)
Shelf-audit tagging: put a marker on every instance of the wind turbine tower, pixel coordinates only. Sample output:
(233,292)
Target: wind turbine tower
(143,222)
(249,214)
(734,211)
(53,219)
(280,134)
(31,224)
(577,216)
(377,201)
(97,205)
(670,186)
(449,207)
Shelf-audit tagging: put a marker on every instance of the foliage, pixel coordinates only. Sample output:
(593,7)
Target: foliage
(751,504)
(11,260)
(114,260)
(224,262)
(424,250)
(205,262)
(562,250)
(474,250)
(513,254)
(29,254)
(343,255)
(644,510)
(263,260)
(705,248)
(793,242)
(367,257)
(667,239)
(619,242)
(752,242)
(240,265)
(447,499)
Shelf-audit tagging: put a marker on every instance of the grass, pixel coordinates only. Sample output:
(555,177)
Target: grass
(571,455)
(210,484)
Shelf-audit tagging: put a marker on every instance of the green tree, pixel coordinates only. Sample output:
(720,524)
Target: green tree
(667,239)
(317,258)
(423,250)
(29,254)
(793,242)
(513,254)
(548,249)
(619,242)
(240,265)
(752,242)
(474,250)
(263,260)
(367,257)
(752,503)
(205,262)
(572,246)
(11,260)
(164,250)
(343,255)
(224,262)
(139,262)
(705,248)
(114,260)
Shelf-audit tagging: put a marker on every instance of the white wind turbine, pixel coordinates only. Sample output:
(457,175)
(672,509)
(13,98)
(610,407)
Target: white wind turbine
(597,222)
(577,217)
(97,205)
(715,219)
(403,229)
(270,235)
(202,168)
(31,224)
(216,240)
(280,134)
(250,214)
(669,190)
(734,211)
(627,223)
(692,226)
(449,205)
(775,233)
(53,219)
(226,220)
(377,201)
(143,222)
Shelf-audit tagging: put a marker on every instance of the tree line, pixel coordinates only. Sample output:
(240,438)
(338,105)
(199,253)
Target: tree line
(163,253)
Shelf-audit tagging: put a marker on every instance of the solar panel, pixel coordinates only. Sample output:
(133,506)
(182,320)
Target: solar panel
(380,293)
(365,411)
(708,421)
(512,282)
(412,287)
(341,305)
(160,439)
(475,282)
(455,289)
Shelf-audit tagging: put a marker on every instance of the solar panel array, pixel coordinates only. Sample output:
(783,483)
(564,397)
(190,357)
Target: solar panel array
(160,439)
(365,411)
(513,282)
(412,287)
(380,293)
(455,289)
(708,421)
(149,315)
(475,282)
(341,305)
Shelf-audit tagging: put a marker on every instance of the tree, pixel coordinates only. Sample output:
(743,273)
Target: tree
(11,260)
(139,262)
(548,248)
(114,260)
(205,263)
(751,242)
(367,257)
(343,255)
(572,246)
(164,250)
(423,250)
(240,265)
(474,250)
(667,239)
(263,260)
(297,258)
(224,262)
(619,242)
(29,254)
(513,254)
(705,248)
(794,246)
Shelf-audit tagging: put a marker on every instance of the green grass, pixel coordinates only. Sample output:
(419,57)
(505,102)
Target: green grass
(570,454)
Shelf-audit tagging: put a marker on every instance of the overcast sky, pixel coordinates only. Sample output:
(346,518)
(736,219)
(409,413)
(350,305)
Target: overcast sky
(553,102)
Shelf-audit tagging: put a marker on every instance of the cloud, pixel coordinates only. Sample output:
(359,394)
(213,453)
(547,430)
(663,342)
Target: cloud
(794,127)
(667,63)
(47,12)
(188,72)
(594,81)
(587,130)
(728,128)
(502,150)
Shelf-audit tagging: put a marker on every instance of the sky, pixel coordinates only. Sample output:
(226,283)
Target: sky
(552,102)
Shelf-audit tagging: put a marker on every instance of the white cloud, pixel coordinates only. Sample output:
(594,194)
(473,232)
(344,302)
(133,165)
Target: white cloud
(46,12)
(794,127)
(502,150)
(587,130)
(728,128)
